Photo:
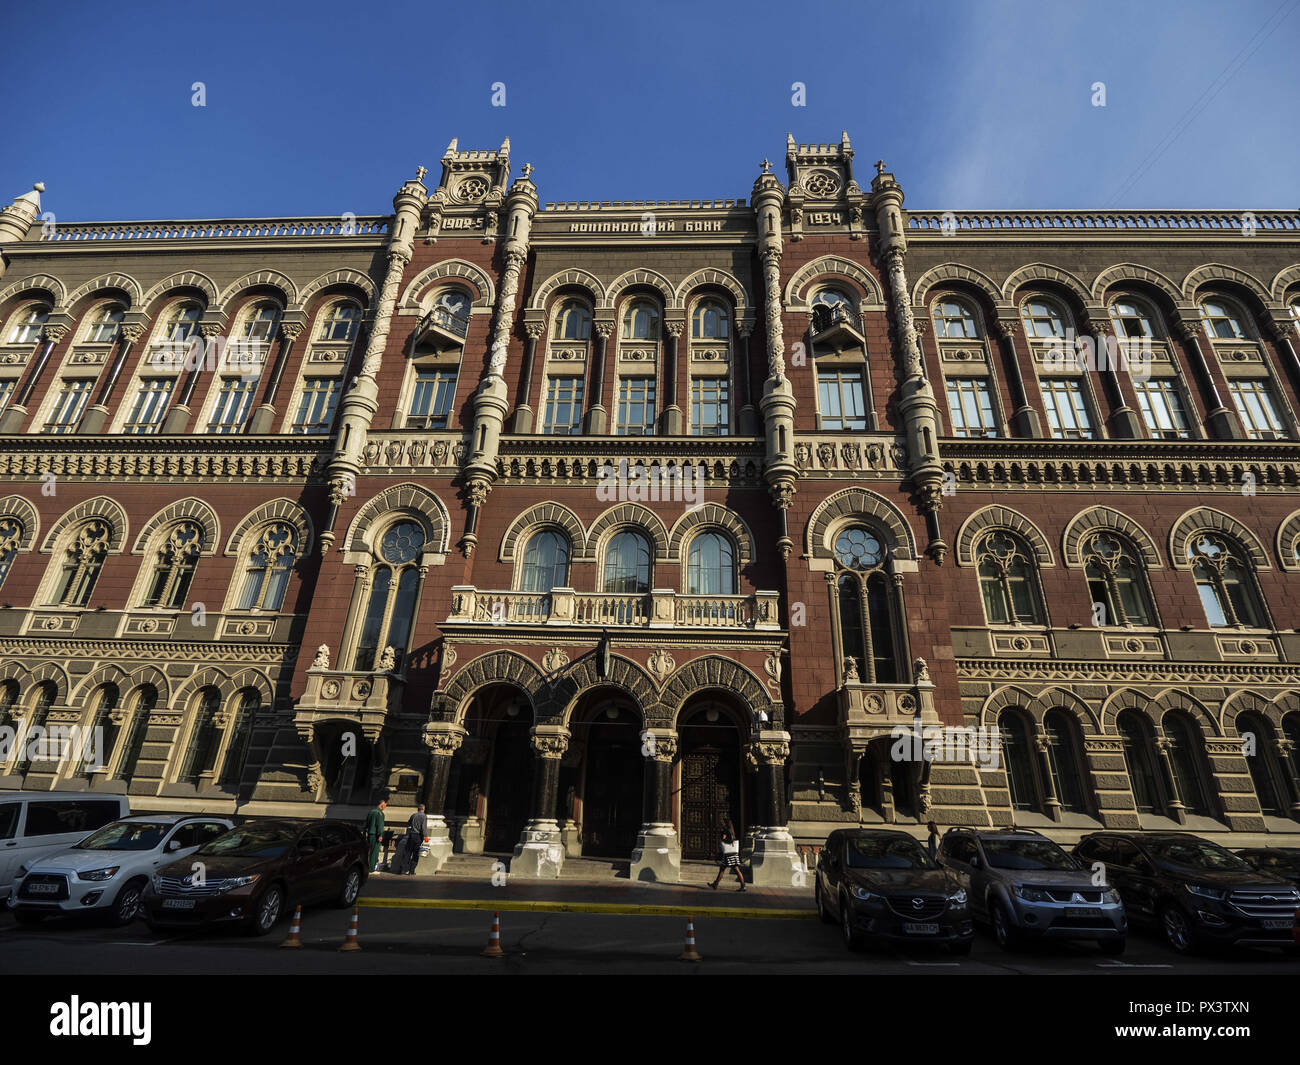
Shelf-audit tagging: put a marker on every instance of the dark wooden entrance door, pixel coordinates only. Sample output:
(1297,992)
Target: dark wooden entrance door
(510,787)
(710,786)
(611,808)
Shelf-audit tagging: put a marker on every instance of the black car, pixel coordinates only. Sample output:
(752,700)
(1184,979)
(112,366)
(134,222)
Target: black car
(255,873)
(1280,861)
(1197,893)
(880,885)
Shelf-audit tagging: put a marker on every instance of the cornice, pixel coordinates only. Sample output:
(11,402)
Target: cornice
(1028,669)
(148,651)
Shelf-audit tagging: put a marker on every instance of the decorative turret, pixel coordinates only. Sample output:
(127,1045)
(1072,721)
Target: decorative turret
(19,217)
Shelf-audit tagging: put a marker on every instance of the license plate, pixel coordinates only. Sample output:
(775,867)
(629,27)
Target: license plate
(1283,923)
(42,889)
(921,928)
(1079,911)
(178,904)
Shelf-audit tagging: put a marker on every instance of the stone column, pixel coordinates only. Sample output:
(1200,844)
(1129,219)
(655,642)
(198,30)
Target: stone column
(1223,422)
(596,418)
(671,420)
(1285,749)
(540,850)
(177,418)
(263,420)
(11,420)
(95,417)
(774,861)
(1051,800)
(658,852)
(524,412)
(1024,419)
(443,738)
(1176,808)
(1123,421)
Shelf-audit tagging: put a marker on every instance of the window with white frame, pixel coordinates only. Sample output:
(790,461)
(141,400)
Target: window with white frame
(1044,318)
(11,535)
(641,321)
(204,739)
(104,700)
(970,405)
(267,566)
(563,413)
(316,405)
(636,406)
(1257,408)
(842,398)
(711,565)
(1067,408)
(572,321)
(710,406)
(150,405)
(954,319)
(232,404)
(1161,404)
(259,325)
(182,322)
(394,587)
(105,323)
(431,399)
(69,401)
(1223,319)
(26,325)
(339,322)
(1133,318)
(709,321)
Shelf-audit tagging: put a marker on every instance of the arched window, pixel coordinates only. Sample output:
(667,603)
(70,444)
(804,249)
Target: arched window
(1116,582)
(32,738)
(573,321)
(627,564)
(1140,760)
(1223,319)
(1266,770)
(394,585)
(1185,759)
(451,311)
(710,321)
(232,769)
(204,739)
(25,326)
(711,565)
(546,562)
(146,698)
(104,701)
(105,323)
(954,319)
(11,535)
(1017,756)
(182,322)
(1133,318)
(1063,760)
(641,321)
(1008,584)
(829,306)
(340,321)
(1044,317)
(1224,582)
(269,564)
(83,558)
(173,571)
(1291,729)
(868,616)
(8,702)
(260,322)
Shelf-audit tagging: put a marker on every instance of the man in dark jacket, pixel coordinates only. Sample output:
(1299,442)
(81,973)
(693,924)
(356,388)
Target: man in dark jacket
(417,829)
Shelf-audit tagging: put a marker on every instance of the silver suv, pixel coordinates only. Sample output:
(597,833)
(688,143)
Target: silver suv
(1027,887)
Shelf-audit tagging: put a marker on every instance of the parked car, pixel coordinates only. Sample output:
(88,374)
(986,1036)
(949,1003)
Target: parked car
(1197,893)
(1280,861)
(107,872)
(254,873)
(36,823)
(1027,887)
(880,885)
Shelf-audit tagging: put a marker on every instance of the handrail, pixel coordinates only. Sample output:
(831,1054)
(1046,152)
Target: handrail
(215,228)
(1218,221)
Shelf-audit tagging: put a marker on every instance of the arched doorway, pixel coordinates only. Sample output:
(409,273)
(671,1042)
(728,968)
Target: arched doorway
(710,779)
(612,779)
(509,785)
(346,759)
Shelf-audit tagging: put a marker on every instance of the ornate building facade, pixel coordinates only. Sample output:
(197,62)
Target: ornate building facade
(594,525)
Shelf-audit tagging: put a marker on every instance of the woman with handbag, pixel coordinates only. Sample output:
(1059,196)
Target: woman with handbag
(730,856)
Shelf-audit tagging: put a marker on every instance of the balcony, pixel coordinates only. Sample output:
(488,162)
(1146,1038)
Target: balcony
(662,608)
(366,698)
(441,330)
(836,331)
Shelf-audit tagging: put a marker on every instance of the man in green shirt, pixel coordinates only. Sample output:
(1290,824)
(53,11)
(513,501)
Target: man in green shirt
(375,832)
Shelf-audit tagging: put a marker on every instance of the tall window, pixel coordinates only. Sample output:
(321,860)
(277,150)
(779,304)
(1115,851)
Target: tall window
(1162,408)
(1256,408)
(711,565)
(1044,318)
(266,573)
(150,405)
(7,390)
(38,714)
(1185,760)
(573,322)
(842,398)
(954,319)
(105,324)
(563,406)
(1067,408)
(970,405)
(1266,770)
(431,399)
(627,564)
(339,322)
(230,411)
(1133,319)
(320,399)
(259,325)
(1063,761)
(636,406)
(1223,319)
(83,559)
(101,722)
(27,324)
(146,698)
(1224,582)
(11,535)
(1291,729)
(709,321)
(710,406)
(1018,759)
(1116,582)
(204,739)
(174,569)
(546,562)
(1139,758)
(232,770)
(641,321)
(829,307)
(73,394)
(183,322)
(866,606)
(1008,583)
(394,586)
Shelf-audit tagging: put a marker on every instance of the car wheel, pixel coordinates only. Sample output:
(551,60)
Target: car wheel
(127,903)
(27,917)
(1113,946)
(1004,929)
(268,910)
(852,939)
(960,948)
(822,911)
(1177,929)
(351,888)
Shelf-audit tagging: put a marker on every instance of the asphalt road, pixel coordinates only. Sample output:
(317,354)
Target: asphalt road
(399,941)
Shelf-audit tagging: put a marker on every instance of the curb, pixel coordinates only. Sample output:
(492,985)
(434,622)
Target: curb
(589,907)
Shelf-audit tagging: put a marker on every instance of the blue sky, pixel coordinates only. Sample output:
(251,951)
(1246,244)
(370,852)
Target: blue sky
(321,108)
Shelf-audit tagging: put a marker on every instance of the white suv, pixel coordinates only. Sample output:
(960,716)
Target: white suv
(106,873)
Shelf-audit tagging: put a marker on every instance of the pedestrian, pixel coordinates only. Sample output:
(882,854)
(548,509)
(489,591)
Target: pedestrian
(730,856)
(375,833)
(933,843)
(416,833)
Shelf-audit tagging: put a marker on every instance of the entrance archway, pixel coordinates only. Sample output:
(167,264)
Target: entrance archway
(612,781)
(346,758)
(510,779)
(710,781)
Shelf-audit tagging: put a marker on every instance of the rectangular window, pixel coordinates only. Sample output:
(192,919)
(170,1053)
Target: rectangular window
(636,406)
(431,399)
(320,396)
(971,406)
(68,405)
(233,402)
(1067,410)
(710,406)
(1256,409)
(150,406)
(1162,409)
(6,390)
(563,414)
(842,399)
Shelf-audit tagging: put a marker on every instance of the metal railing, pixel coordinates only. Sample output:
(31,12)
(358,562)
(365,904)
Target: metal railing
(217,228)
(949,222)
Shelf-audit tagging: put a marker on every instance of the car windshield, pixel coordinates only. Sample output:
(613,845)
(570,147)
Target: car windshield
(1198,854)
(887,853)
(1027,854)
(125,836)
(251,841)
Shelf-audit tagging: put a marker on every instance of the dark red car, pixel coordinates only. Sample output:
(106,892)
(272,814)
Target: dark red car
(256,873)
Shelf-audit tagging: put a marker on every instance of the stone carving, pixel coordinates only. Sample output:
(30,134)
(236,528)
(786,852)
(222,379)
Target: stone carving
(772,663)
(922,671)
(550,745)
(826,456)
(315,778)
(388,660)
(851,671)
(661,664)
(322,659)
(803,456)
(554,660)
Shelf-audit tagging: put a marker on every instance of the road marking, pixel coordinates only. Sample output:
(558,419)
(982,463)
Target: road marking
(1111,964)
(933,964)
(697,912)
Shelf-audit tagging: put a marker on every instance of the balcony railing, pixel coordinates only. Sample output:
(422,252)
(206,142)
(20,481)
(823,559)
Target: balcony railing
(452,326)
(950,222)
(659,608)
(218,228)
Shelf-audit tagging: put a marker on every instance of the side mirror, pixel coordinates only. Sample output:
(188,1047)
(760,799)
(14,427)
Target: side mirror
(173,844)
(975,862)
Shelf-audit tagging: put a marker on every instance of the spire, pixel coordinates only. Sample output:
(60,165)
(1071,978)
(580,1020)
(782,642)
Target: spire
(33,197)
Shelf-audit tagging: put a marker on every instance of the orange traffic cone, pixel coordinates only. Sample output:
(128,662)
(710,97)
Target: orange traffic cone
(689,954)
(294,928)
(350,943)
(493,949)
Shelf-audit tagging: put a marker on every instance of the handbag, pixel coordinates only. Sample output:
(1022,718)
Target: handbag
(731,848)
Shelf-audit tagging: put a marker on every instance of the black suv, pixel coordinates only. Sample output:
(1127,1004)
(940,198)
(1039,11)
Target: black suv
(1196,892)
(1280,861)
(881,885)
